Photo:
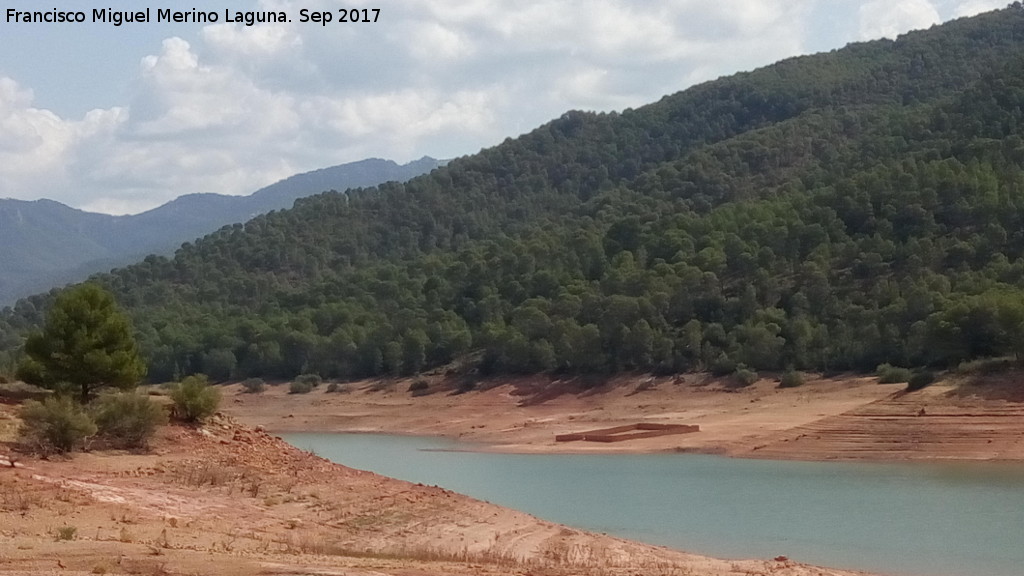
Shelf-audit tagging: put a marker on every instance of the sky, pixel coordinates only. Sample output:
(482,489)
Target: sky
(121,119)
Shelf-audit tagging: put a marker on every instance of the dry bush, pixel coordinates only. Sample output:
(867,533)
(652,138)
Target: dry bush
(888,374)
(56,424)
(253,386)
(304,383)
(203,474)
(791,379)
(337,388)
(194,399)
(128,419)
(18,496)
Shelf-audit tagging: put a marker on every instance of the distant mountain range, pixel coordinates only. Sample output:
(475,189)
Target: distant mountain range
(47,244)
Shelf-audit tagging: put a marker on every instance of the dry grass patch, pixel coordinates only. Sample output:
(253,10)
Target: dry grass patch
(65,533)
(312,542)
(18,495)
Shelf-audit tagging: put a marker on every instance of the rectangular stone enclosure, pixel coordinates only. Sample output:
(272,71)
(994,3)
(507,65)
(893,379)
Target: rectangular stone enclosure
(628,432)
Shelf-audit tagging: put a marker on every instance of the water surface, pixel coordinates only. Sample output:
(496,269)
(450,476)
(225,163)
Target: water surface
(906,519)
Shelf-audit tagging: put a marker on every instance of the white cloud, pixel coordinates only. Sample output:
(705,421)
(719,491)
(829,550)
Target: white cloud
(433,42)
(37,147)
(888,18)
(972,7)
(267,40)
(236,108)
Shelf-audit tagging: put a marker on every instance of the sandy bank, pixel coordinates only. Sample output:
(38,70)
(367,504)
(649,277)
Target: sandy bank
(847,419)
(228,499)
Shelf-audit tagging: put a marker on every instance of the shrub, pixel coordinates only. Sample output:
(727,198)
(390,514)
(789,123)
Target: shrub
(253,386)
(335,388)
(920,379)
(986,366)
(194,399)
(55,424)
(128,419)
(791,379)
(745,377)
(722,366)
(889,374)
(466,384)
(419,387)
(304,383)
(65,533)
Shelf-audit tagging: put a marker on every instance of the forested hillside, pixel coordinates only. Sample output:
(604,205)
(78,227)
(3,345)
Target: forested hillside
(829,212)
(47,244)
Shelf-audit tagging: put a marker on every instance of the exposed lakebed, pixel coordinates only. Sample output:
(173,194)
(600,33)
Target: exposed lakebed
(946,519)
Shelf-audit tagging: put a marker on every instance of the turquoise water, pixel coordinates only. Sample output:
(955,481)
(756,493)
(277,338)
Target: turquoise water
(903,519)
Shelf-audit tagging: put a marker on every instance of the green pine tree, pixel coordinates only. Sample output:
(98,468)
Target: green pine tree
(86,344)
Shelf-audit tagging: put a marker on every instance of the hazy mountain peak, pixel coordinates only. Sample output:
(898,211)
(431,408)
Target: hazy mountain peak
(47,243)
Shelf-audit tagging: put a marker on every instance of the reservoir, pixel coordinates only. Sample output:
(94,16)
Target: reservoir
(907,519)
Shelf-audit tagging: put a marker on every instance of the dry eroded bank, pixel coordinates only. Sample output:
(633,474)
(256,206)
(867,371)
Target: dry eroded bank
(853,418)
(233,500)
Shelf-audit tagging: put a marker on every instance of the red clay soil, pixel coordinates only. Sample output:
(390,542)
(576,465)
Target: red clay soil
(228,499)
(933,424)
(853,418)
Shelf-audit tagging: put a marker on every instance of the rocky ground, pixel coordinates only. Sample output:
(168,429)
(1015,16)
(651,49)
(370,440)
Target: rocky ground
(231,499)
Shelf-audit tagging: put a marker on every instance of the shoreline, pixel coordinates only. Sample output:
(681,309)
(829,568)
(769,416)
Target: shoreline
(850,419)
(234,500)
(679,495)
(472,447)
(232,495)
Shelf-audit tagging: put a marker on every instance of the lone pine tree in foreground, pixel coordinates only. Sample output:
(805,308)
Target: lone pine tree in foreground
(86,344)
